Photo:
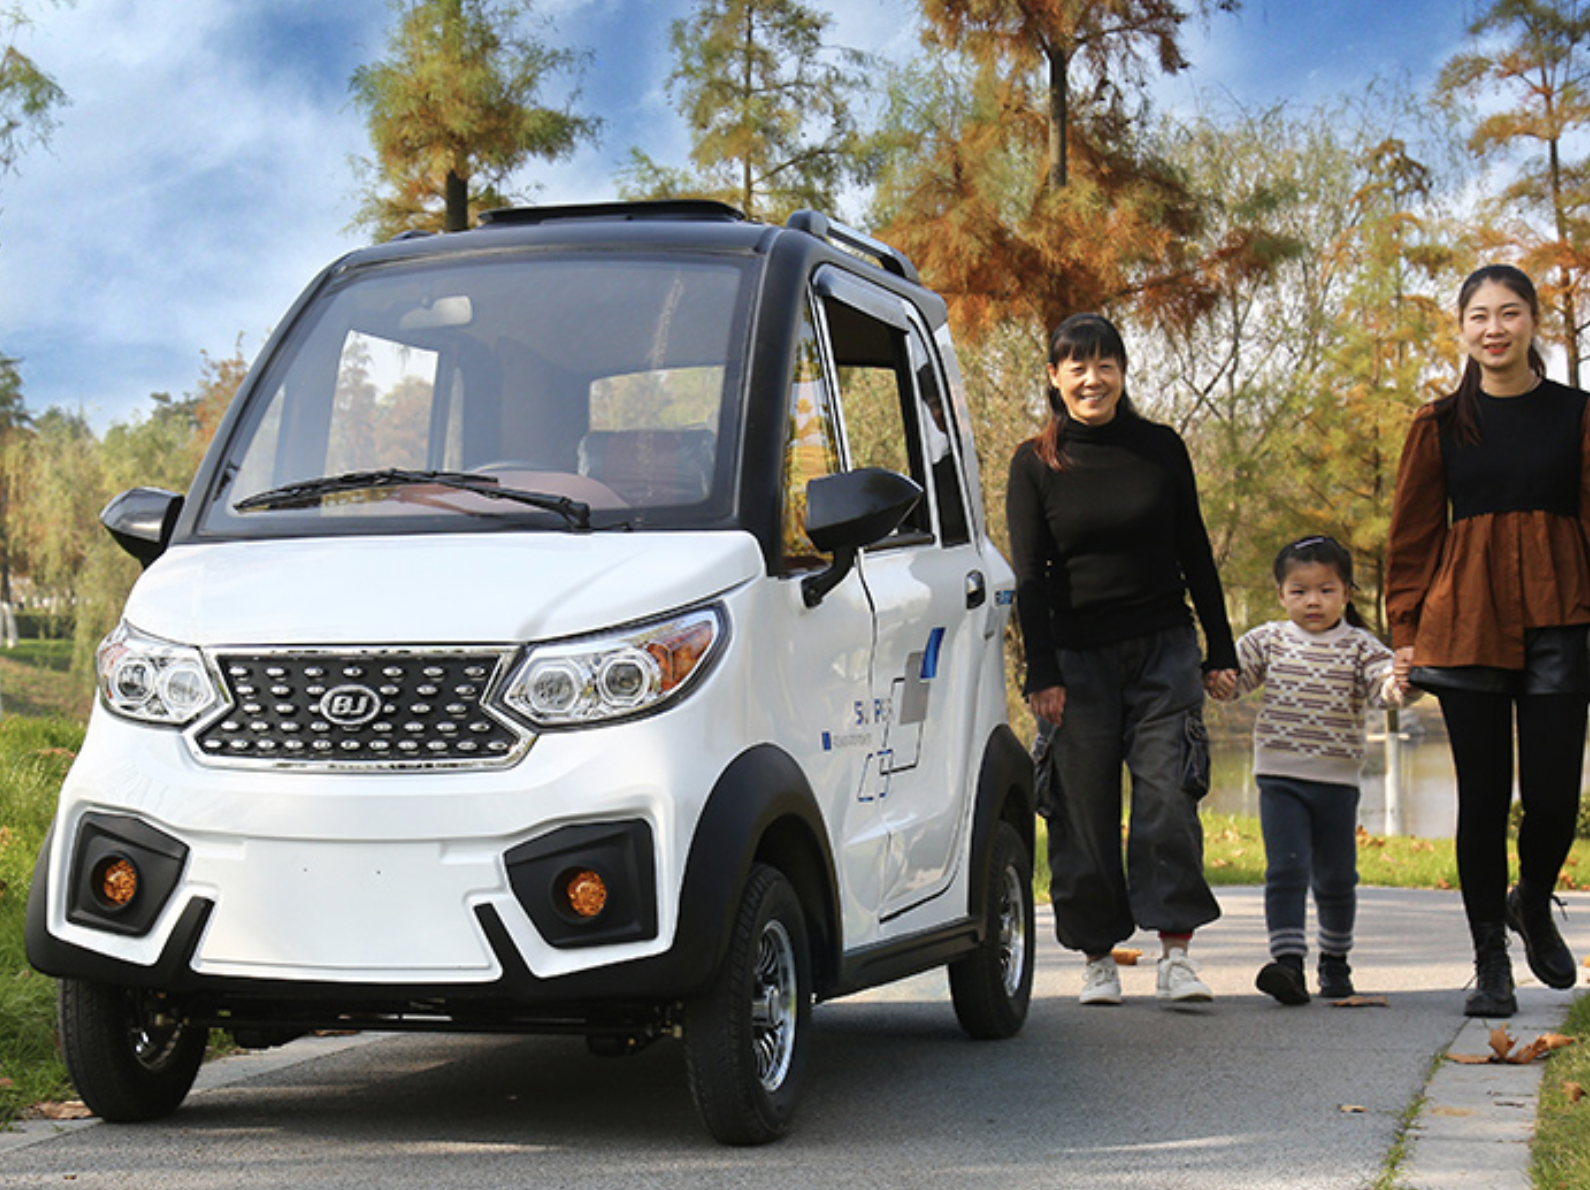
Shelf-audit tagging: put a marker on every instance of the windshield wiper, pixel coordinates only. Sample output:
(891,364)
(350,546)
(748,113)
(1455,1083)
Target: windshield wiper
(306,493)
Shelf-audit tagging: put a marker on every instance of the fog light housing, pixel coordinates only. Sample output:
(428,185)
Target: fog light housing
(590,884)
(123,873)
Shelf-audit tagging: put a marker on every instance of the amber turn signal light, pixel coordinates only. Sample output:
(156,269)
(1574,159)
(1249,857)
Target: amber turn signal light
(585,893)
(115,882)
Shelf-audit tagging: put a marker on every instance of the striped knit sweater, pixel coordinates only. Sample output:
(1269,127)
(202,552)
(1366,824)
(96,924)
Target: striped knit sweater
(1317,688)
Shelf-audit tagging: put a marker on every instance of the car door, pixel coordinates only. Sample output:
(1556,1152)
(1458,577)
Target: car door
(924,581)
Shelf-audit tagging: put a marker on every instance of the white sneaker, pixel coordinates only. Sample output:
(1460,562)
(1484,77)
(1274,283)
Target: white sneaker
(1178,979)
(1101,982)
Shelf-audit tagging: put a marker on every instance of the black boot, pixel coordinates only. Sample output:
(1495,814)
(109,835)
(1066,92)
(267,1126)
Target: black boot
(1493,972)
(1335,977)
(1529,914)
(1283,979)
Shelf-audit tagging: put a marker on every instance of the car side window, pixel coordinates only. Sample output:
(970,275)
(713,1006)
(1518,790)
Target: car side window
(876,363)
(937,418)
(811,447)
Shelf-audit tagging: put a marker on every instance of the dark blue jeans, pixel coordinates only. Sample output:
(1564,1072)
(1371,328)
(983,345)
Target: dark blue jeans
(1310,841)
(1138,703)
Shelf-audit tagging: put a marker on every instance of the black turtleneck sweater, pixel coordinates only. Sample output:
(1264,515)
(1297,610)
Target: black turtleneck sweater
(1109,548)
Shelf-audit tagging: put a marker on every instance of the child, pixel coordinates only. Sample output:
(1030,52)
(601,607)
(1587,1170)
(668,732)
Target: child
(1319,668)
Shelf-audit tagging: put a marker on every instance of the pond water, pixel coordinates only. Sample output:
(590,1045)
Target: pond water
(1423,802)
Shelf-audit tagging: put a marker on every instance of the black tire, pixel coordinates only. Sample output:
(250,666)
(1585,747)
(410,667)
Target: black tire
(127,1060)
(745,1037)
(992,986)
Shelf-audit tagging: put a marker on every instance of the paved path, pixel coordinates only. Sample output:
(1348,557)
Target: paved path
(1241,1094)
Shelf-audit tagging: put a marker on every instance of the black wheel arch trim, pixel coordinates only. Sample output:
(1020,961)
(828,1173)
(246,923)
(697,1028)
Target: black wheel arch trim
(1004,794)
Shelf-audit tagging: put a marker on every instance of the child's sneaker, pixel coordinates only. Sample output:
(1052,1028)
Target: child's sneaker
(1283,979)
(1335,977)
(1101,982)
(1178,979)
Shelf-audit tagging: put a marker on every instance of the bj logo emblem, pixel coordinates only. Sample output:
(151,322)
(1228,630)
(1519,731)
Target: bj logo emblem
(350,706)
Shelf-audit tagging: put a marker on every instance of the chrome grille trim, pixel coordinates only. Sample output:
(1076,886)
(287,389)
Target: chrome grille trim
(360,710)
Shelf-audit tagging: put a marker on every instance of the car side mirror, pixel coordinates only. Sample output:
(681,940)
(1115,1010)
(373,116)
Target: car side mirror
(847,511)
(141,521)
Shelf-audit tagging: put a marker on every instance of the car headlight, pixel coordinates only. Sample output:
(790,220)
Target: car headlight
(154,680)
(602,678)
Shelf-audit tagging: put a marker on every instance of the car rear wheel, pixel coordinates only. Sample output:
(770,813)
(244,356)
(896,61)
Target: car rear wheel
(992,987)
(746,1036)
(128,1059)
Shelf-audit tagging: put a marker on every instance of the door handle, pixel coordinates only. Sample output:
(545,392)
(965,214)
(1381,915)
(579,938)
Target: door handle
(976,589)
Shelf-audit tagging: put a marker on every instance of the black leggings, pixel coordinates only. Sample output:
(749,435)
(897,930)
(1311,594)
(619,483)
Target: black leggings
(1551,746)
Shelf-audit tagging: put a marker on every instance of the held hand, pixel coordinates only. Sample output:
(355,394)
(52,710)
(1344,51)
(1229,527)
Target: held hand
(1049,705)
(1221,684)
(1401,667)
(1394,694)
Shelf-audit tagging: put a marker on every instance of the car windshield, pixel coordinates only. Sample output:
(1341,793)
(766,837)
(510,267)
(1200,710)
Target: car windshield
(506,387)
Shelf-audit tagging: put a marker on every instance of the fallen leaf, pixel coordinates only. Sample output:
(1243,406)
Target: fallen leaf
(1574,1091)
(5,1082)
(1502,1042)
(1126,956)
(1505,1048)
(1353,1109)
(73,1109)
(1361,1001)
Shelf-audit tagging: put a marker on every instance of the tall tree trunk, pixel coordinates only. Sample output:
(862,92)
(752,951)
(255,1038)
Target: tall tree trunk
(1058,116)
(1566,307)
(457,190)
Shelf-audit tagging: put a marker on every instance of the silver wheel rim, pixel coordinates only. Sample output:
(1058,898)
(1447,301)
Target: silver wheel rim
(1012,932)
(774,1006)
(152,1043)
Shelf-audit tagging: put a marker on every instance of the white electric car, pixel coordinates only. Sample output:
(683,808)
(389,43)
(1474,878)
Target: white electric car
(582,623)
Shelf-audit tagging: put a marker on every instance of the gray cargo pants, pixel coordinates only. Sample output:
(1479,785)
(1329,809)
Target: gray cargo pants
(1138,702)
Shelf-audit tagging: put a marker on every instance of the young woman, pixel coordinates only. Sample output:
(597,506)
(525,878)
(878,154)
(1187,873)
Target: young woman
(1320,671)
(1488,593)
(1108,541)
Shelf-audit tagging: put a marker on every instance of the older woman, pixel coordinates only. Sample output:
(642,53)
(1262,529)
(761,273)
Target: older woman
(1108,541)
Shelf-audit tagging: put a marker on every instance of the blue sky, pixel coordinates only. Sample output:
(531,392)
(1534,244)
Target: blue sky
(202,172)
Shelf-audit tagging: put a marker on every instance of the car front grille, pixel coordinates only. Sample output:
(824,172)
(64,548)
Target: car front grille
(420,709)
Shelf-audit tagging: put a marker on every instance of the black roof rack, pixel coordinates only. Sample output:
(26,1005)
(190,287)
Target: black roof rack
(820,225)
(682,208)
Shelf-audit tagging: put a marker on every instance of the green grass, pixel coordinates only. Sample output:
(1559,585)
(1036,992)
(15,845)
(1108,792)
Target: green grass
(36,681)
(1560,1156)
(1234,854)
(34,756)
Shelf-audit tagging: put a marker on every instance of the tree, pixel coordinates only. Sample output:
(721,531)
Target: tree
(969,185)
(1107,40)
(14,421)
(27,94)
(53,496)
(454,111)
(1387,356)
(768,106)
(1540,59)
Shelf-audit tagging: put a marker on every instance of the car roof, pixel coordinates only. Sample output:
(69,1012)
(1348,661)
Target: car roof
(674,224)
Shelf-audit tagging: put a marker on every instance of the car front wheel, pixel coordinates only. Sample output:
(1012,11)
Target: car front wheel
(128,1058)
(991,987)
(746,1036)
